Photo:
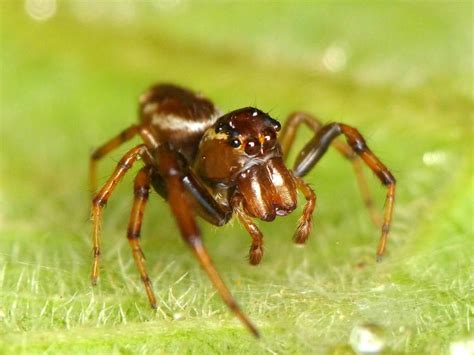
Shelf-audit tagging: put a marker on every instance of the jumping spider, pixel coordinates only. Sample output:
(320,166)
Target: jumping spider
(218,165)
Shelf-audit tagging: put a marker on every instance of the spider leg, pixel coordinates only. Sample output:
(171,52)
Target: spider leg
(101,198)
(170,170)
(256,248)
(305,222)
(200,198)
(141,190)
(292,123)
(107,147)
(204,203)
(287,138)
(316,148)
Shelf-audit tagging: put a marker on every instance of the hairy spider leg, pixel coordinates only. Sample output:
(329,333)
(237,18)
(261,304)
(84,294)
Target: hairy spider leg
(100,200)
(256,248)
(316,148)
(202,200)
(168,165)
(141,189)
(305,221)
(287,138)
(107,147)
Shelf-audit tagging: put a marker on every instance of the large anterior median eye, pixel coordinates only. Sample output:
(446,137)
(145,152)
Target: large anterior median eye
(252,146)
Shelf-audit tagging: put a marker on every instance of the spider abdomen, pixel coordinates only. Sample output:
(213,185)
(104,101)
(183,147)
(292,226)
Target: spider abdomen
(178,116)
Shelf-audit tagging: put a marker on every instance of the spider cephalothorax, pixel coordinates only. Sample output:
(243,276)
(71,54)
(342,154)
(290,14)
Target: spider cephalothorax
(236,142)
(218,166)
(241,150)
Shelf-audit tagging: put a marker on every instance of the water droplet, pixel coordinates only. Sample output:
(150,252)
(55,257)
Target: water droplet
(367,339)
(178,316)
(462,347)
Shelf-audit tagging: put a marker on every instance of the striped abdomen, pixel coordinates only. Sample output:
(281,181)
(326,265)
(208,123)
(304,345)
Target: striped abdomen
(178,116)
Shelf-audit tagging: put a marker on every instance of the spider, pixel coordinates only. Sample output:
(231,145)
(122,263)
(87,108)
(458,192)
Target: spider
(216,166)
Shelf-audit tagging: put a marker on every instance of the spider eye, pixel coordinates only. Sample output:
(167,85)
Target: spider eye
(235,143)
(220,127)
(252,147)
(276,126)
(269,138)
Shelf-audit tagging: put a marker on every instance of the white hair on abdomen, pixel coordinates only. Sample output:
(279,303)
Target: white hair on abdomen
(171,122)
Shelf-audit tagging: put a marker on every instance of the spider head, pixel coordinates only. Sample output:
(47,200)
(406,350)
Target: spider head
(242,150)
(250,131)
(237,141)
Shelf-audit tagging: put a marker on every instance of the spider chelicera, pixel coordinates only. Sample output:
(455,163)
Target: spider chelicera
(216,166)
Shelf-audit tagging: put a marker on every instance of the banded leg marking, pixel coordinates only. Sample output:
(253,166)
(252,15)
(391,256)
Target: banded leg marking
(305,222)
(101,199)
(141,190)
(184,215)
(316,148)
(287,138)
(256,248)
(107,147)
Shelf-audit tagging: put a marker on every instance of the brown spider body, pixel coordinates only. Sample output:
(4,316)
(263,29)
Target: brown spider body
(177,116)
(193,127)
(218,166)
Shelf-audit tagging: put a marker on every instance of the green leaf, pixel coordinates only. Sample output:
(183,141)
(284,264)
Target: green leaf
(401,73)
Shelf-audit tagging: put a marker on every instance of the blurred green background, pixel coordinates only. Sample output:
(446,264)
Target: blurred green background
(71,73)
